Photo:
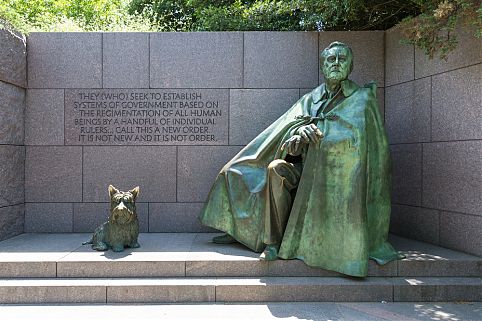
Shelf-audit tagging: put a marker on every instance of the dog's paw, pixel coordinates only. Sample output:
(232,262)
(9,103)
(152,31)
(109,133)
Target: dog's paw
(101,246)
(117,248)
(134,245)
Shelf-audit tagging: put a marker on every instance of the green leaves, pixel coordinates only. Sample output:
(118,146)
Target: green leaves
(166,15)
(428,24)
(433,30)
(225,15)
(72,15)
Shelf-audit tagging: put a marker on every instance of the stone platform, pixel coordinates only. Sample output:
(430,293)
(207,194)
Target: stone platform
(183,267)
(286,311)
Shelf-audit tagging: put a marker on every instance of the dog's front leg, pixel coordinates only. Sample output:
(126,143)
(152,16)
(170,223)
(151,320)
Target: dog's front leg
(117,247)
(100,246)
(134,244)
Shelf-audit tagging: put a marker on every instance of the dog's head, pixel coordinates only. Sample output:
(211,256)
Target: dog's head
(122,205)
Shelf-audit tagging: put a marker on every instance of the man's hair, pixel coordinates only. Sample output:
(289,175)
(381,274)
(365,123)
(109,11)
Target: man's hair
(337,44)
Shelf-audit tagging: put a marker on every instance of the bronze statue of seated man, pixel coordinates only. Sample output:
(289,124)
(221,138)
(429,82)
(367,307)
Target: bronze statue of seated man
(315,185)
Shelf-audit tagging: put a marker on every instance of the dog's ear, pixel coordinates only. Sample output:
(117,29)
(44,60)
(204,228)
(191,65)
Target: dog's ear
(135,192)
(112,191)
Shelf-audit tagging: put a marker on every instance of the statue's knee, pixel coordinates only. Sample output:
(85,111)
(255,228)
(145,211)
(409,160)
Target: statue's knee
(275,165)
(281,169)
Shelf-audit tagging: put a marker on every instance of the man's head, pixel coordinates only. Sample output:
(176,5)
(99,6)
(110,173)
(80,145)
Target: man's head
(336,61)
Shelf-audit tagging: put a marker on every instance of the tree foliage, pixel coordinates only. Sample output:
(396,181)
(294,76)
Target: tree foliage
(230,15)
(428,24)
(433,30)
(168,15)
(70,15)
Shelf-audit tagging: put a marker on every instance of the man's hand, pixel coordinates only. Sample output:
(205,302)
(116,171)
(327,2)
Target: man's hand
(310,133)
(293,145)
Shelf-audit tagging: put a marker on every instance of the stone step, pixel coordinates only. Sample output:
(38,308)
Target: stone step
(193,255)
(268,311)
(269,289)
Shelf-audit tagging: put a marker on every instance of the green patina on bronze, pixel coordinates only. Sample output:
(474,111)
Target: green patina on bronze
(122,228)
(338,211)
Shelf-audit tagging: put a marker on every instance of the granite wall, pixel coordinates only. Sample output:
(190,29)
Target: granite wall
(433,117)
(255,77)
(13,81)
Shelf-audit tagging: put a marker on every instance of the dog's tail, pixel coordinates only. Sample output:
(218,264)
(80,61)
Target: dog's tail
(91,241)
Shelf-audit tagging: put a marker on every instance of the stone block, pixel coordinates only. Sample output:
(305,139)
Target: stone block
(115,268)
(452,179)
(424,259)
(12,163)
(12,108)
(407,174)
(437,289)
(28,270)
(399,58)
(461,232)
(457,101)
(280,59)
(415,223)
(407,112)
(253,110)
(468,52)
(50,291)
(64,60)
(311,289)
(44,117)
(389,269)
(368,51)
(417,264)
(296,268)
(151,168)
(165,246)
(198,166)
(53,174)
(13,58)
(40,247)
(175,217)
(11,221)
(125,60)
(88,216)
(169,293)
(49,217)
(229,268)
(196,60)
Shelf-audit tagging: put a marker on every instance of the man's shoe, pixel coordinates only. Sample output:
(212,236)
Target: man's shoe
(270,253)
(224,239)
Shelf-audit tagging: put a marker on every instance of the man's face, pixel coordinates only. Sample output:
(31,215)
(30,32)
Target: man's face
(336,65)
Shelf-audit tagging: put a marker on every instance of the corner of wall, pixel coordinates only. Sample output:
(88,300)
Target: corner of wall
(13,83)
(435,143)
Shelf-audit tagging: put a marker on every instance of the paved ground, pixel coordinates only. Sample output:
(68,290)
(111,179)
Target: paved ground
(264,312)
(31,247)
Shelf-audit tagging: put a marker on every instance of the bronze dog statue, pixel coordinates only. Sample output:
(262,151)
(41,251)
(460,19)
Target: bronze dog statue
(122,228)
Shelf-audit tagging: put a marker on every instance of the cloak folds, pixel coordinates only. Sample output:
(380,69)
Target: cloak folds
(341,211)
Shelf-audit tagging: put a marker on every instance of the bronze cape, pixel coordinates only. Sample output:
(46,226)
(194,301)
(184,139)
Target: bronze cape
(341,211)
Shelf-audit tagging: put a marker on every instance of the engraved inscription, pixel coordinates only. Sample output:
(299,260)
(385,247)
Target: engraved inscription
(146,116)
